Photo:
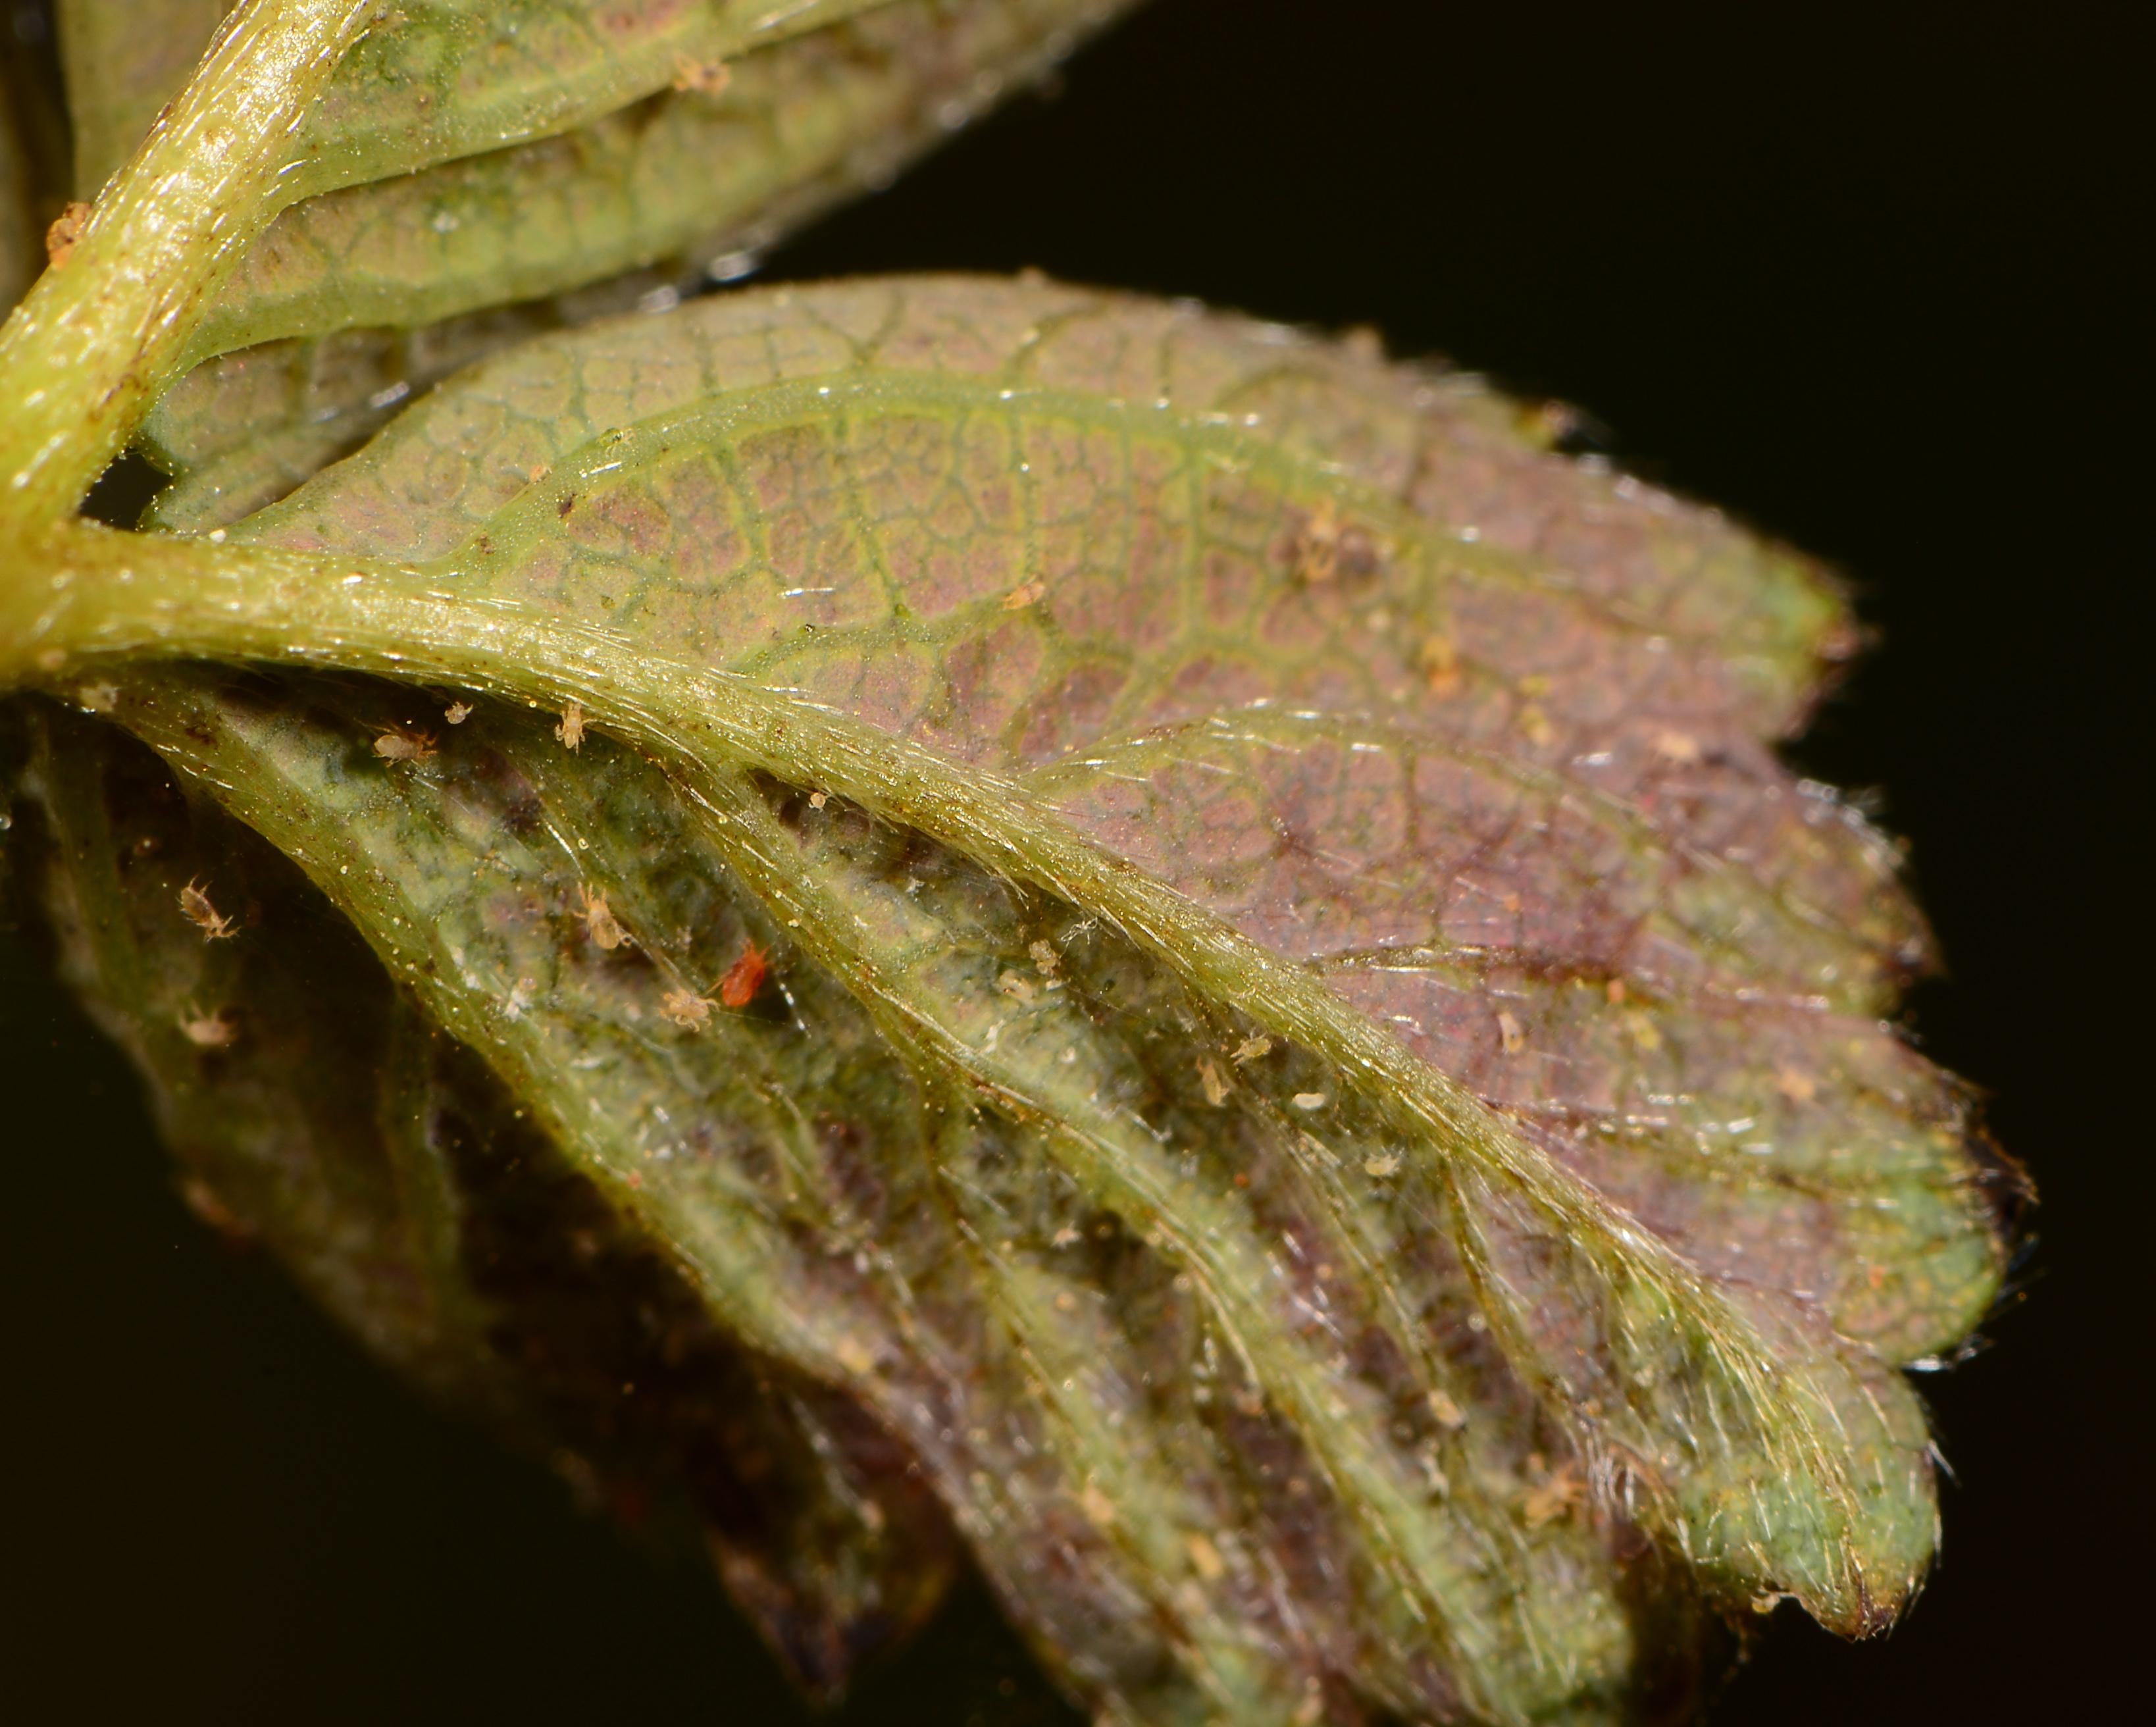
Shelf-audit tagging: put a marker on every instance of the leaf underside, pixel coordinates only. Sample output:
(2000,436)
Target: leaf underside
(1254,1401)
(1425,1223)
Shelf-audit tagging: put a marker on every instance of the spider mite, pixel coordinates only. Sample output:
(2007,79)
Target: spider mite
(686,1009)
(205,916)
(744,977)
(600,923)
(405,746)
(209,1031)
(571,731)
(706,78)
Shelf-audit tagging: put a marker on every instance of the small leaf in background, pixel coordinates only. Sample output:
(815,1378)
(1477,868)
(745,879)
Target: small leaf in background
(1256,1393)
(19,254)
(471,153)
(30,134)
(124,61)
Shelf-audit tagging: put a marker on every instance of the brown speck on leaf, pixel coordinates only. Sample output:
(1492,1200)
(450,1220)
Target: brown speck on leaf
(1364,343)
(1251,1049)
(704,78)
(745,977)
(1215,1087)
(1205,1557)
(457,712)
(1439,659)
(1019,598)
(686,1009)
(200,1198)
(1326,548)
(210,1031)
(194,901)
(66,229)
(1318,545)
(600,923)
(1509,1030)
(1551,423)
(568,503)
(571,731)
(405,746)
(1552,1497)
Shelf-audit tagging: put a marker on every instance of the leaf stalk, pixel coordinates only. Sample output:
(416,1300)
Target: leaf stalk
(86,354)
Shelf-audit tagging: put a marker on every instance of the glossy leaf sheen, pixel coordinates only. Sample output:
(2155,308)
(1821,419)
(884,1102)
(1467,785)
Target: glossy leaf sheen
(1263,1388)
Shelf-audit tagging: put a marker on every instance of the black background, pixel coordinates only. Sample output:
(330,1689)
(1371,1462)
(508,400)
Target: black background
(1858,272)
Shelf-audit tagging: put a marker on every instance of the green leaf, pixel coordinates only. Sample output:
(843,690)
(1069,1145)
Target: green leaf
(469,153)
(124,61)
(23,214)
(242,430)
(315,1112)
(1315,1073)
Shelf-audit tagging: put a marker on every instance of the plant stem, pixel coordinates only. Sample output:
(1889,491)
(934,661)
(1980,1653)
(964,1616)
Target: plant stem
(86,354)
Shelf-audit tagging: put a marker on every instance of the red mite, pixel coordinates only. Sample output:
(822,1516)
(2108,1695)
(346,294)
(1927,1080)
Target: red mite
(744,978)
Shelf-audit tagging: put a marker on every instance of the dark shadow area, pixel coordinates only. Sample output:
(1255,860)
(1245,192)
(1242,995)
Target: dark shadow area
(124,490)
(1858,273)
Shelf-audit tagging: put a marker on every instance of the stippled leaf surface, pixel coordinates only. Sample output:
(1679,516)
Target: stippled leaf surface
(241,431)
(1270,1375)
(315,1112)
(470,153)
